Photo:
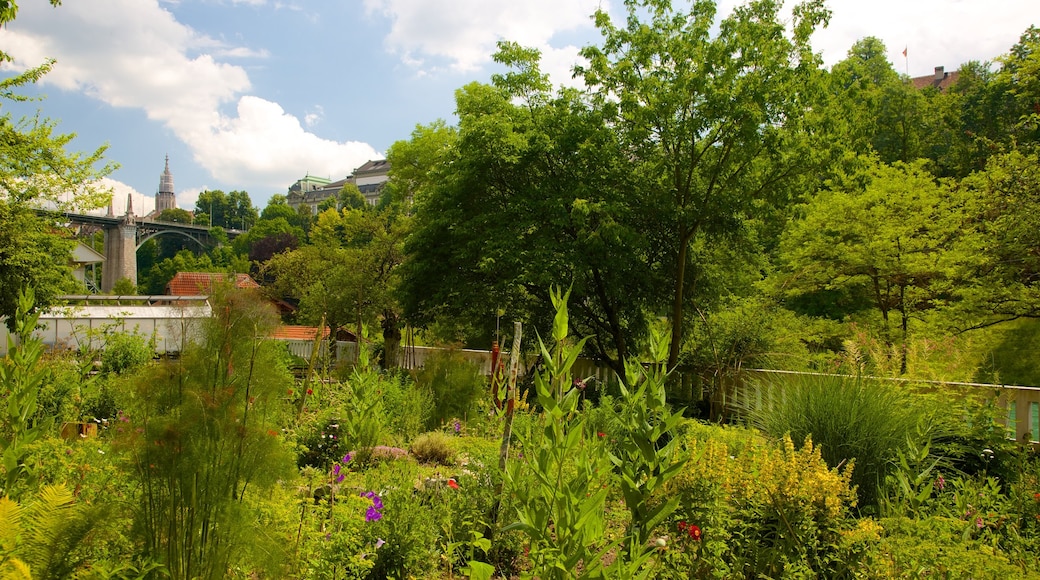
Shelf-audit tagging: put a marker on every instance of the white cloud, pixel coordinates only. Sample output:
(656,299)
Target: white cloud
(186,198)
(934,33)
(314,117)
(121,193)
(464,32)
(263,140)
(134,54)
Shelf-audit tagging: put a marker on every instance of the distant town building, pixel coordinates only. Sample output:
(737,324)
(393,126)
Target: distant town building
(940,80)
(311,191)
(165,199)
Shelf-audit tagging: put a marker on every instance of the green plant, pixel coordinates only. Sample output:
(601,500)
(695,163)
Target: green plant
(913,480)
(646,458)
(455,385)
(361,424)
(21,378)
(758,509)
(934,547)
(203,439)
(46,534)
(562,512)
(849,419)
(125,352)
(433,447)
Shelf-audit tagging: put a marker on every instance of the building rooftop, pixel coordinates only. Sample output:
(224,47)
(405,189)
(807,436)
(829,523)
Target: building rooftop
(195,283)
(940,80)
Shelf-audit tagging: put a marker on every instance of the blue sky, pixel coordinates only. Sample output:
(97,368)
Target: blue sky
(254,94)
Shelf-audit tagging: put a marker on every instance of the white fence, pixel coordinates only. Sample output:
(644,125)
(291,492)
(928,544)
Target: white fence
(1020,404)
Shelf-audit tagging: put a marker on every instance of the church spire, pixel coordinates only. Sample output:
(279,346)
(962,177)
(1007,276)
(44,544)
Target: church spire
(165,198)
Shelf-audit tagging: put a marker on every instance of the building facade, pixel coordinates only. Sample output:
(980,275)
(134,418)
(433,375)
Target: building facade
(312,191)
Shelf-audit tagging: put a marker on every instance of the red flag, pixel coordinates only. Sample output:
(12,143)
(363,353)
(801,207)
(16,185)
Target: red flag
(904,52)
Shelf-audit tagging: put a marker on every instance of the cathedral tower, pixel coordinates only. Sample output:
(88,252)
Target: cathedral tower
(165,199)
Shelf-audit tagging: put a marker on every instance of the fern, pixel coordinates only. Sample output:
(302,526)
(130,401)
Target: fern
(47,535)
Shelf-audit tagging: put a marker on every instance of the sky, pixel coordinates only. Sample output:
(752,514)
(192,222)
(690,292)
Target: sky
(255,94)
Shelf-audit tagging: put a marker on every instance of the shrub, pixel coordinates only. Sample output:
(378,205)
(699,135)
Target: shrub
(934,547)
(125,352)
(763,511)
(849,419)
(455,385)
(407,406)
(433,447)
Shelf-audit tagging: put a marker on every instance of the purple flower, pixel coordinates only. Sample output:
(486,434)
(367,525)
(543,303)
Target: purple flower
(346,459)
(458,426)
(372,514)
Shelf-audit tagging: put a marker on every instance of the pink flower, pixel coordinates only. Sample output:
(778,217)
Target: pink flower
(978,523)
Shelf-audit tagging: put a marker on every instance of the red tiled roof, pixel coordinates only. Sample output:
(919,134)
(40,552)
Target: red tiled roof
(940,80)
(196,283)
(298,332)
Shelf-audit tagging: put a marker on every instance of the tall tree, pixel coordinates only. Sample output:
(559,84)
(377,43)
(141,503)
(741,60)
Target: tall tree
(1005,264)
(37,172)
(714,116)
(883,235)
(536,191)
(232,210)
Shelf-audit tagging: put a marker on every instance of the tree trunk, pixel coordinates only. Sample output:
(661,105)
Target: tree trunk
(391,339)
(677,298)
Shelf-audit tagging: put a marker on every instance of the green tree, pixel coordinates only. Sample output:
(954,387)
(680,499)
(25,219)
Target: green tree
(176,215)
(348,274)
(1005,252)
(883,236)
(37,172)
(535,190)
(232,210)
(714,116)
(350,198)
(278,207)
(413,162)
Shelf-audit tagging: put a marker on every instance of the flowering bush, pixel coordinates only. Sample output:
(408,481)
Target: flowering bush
(761,510)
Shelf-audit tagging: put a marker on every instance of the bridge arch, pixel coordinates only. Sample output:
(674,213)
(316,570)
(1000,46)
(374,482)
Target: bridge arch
(174,232)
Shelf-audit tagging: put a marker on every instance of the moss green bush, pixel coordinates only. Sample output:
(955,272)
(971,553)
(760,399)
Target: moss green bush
(125,352)
(934,547)
(433,447)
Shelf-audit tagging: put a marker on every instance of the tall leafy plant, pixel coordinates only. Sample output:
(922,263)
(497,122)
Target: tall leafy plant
(21,378)
(207,441)
(646,455)
(562,512)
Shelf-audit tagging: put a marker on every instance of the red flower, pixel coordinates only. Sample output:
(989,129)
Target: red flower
(683,526)
(601,434)
(452,484)
(310,391)
(694,532)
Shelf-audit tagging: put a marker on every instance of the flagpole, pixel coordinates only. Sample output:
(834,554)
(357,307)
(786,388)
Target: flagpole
(906,61)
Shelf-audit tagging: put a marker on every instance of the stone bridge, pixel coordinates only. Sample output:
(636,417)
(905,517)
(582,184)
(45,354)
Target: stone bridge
(125,234)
